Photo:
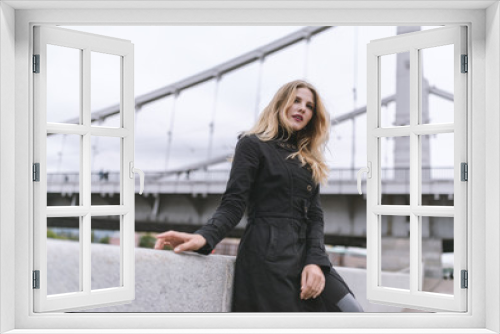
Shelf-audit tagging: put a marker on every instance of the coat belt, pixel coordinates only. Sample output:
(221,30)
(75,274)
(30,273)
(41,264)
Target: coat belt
(300,223)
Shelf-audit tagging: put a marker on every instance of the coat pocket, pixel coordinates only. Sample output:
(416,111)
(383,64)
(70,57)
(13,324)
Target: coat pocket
(272,243)
(283,241)
(256,240)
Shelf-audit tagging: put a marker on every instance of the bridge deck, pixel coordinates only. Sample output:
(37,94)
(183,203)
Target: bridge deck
(341,181)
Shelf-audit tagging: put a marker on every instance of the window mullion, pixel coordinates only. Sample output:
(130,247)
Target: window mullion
(420,210)
(80,211)
(109,210)
(373,184)
(414,170)
(76,129)
(66,211)
(85,191)
(72,129)
(430,129)
(85,265)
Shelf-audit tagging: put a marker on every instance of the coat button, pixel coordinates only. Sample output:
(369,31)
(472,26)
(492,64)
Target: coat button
(309,187)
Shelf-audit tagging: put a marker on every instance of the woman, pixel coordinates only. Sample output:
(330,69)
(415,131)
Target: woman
(277,167)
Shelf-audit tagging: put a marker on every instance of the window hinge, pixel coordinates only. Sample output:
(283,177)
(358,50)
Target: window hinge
(36,63)
(465,64)
(36,172)
(36,279)
(465,279)
(464,171)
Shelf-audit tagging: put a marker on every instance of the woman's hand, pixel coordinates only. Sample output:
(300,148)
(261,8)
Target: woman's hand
(180,241)
(313,282)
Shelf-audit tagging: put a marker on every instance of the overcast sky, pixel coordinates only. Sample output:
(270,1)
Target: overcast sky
(334,61)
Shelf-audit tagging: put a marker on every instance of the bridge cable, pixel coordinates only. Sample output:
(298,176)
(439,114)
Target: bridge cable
(306,55)
(211,125)
(262,59)
(171,129)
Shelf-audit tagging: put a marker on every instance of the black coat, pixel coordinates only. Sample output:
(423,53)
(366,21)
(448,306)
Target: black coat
(284,231)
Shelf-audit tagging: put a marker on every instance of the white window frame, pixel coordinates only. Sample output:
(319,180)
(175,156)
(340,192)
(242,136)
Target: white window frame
(86,297)
(483,211)
(414,296)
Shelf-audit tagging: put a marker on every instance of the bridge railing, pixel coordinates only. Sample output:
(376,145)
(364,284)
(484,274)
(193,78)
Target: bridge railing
(221,175)
(341,181)
(396,174)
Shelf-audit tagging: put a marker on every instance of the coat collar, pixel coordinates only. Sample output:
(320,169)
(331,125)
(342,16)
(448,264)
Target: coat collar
(288,143)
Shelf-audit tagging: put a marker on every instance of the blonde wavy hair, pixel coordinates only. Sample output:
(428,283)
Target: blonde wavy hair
(311,140)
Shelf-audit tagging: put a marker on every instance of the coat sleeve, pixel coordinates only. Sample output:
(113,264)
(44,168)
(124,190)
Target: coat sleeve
(316,253)
(228,214)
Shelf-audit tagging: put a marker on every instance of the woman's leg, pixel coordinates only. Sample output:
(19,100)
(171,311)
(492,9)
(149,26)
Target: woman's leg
(349,304)
(337,297)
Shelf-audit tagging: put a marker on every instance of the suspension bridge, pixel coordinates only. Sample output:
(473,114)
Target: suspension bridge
(184,197)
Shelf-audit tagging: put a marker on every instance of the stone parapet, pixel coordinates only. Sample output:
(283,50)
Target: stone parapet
(169,282)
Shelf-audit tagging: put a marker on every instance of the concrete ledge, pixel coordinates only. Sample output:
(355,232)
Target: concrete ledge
(169,282)
(165,281)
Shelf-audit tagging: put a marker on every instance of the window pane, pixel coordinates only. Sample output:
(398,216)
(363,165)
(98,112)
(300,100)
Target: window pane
(152,126)
(105,86)
(395,170)
(437,156)
(395,252)
(395,83)
(105,252)
(230,120)
(191,133)
(437,65)
(63,255)
(63,169)
(437,255)
(283,66)
(63,84)
(106,171)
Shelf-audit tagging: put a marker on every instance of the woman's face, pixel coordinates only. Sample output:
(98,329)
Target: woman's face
(301,111)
